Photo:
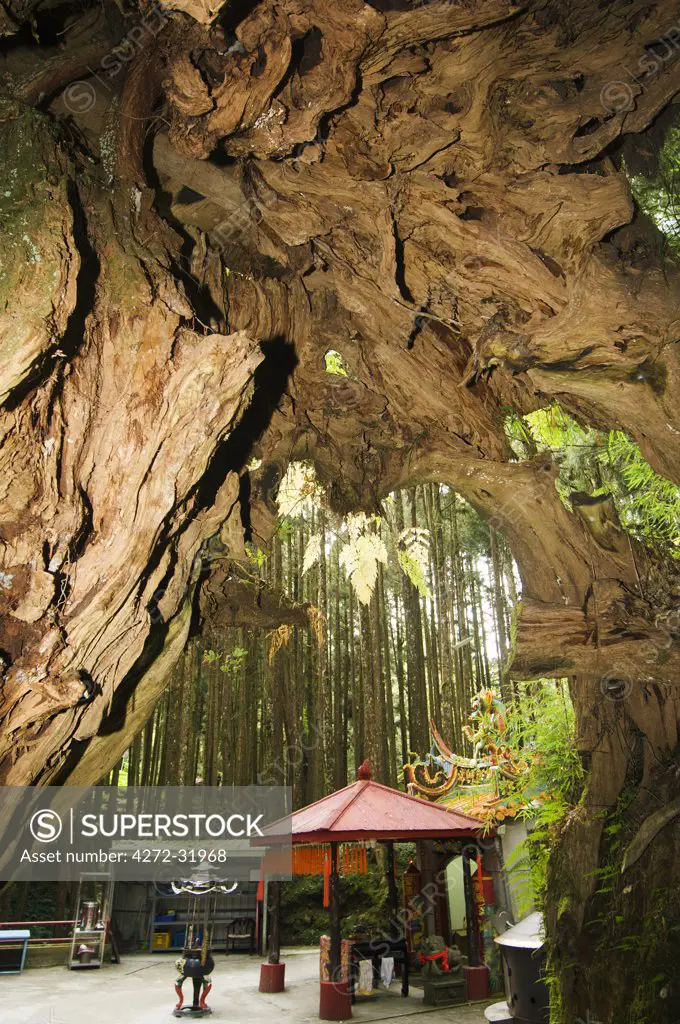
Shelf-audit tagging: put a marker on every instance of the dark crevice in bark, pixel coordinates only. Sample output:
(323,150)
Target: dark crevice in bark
(400,268)
(187,197)
(114,721)
(270,384)
(245,488)
(51,22)
(306,54)
(71,340)
(231,455)
(21,39)
(393,5)
(418,325)
(271,379)
(88,276)
(235,12)
(589,127)
(206,309)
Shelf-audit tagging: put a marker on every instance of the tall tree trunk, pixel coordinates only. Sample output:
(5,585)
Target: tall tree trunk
(416,679)
(443,624)
(500,611)
(390,724)
(397,647)
(341,682)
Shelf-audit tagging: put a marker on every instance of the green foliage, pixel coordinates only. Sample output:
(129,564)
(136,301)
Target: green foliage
(659,196)
(611,463)
(543,727)
(542,730)
(363,538)
(335,364)
(363,902)
(256,556)
(231,662)
(572,447)
(413,553)
(648,504)
(299,491)
(362,554)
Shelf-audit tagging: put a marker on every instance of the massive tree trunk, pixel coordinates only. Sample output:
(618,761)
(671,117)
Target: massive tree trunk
(199,202)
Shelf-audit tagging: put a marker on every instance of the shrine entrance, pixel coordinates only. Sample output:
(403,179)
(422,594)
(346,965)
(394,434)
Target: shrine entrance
(369,812)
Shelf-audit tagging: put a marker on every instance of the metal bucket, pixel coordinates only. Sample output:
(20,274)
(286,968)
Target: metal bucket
(89,915)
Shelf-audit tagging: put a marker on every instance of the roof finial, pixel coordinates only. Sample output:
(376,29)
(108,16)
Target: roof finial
(365,772)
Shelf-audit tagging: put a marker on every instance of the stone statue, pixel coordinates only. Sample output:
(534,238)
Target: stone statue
(437,959)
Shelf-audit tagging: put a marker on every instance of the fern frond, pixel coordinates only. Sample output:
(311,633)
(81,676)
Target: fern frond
(312,552)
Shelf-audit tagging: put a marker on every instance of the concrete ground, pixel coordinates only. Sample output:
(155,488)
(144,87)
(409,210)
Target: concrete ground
(140,991)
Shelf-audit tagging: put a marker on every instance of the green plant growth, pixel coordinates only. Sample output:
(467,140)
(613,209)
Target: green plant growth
(335,364)
(649,505)
(634,926)
(659,195)
(365,541)
(601,463)
(542,731)
(364,902)
(229,663)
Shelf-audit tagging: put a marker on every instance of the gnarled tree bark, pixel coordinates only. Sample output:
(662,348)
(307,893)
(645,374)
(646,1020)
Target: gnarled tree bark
(434,190)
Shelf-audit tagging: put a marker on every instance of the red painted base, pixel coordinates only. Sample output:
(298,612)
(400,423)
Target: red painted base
(335,1002)
(477,979)
(272,977)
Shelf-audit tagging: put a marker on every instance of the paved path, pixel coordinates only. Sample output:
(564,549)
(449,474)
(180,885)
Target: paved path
(140,991)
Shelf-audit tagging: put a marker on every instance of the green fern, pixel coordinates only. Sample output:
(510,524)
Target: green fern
(649,505)
(413,552)
(659,196)
(602,463)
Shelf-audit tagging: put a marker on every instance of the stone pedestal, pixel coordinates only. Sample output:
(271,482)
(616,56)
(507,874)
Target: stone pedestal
(498,1013)
(446,990)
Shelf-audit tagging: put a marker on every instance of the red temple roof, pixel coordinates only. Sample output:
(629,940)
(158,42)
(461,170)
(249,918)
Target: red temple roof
(368,810)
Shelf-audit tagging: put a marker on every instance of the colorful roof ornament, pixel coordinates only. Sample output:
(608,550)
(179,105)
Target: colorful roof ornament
(490,786)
